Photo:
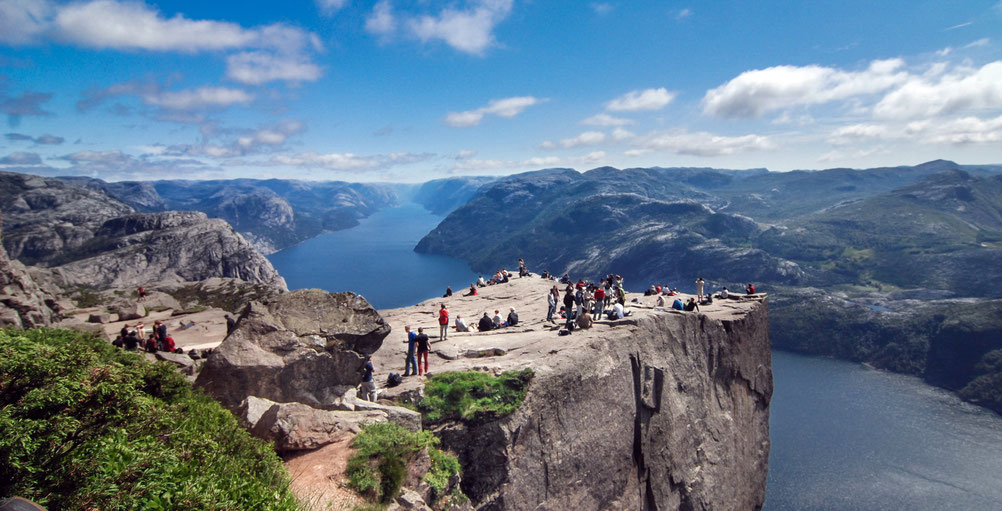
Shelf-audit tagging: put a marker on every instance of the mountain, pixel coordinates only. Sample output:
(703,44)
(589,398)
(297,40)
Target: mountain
(88,238)
(442,196)
(272,214)
(929,232)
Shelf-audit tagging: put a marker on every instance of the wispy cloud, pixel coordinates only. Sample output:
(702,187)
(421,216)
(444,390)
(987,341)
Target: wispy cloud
(507,108)
(684,13)
(700,143)
(26,104)
(156,95)
(601,7)
(606,120)
(21,158)
(648,99)
(328,7)
(469,30)
(41,140)
(960,25)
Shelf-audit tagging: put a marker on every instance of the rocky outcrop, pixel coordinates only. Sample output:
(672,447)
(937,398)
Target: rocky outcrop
(306,346)
(297,427)
(661,410)
(23,303)
(148,249)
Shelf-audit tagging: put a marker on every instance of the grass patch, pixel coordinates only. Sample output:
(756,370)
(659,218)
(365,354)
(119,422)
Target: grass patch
(88,426)
(379,468)
(87,297)
(473,396)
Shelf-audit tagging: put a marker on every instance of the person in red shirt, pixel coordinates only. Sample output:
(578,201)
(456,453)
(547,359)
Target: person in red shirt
(443,323)
(599,303)
(750,289)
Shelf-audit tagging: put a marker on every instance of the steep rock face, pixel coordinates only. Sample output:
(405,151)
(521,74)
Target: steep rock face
(660,410)
(306,346)
(147,249)
(672,416)
(23,303)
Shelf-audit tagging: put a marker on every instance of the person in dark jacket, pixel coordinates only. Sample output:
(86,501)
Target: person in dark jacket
(512,317)
(423,347)
(568,307)
(485,323)
(368,382)
(231,324)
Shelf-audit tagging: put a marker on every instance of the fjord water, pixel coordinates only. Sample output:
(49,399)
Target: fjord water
(843,436)
(376,259)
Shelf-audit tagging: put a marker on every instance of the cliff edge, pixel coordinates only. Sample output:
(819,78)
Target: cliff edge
(660,410)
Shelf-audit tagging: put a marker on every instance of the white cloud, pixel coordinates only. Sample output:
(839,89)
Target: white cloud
(255,68)
(959,25)
(592,157)
(329,7)
(201,97)
(839,155)
(620,134)
(858,133)
(466,153)
(601,7)
(585,139)
(649,99)
(547,144)
(701,143)
(959,90)
(606,120)
(237,142)
(135,26)
(345,161)
(683,14)
(984,41)
(474,165)
(757,92)
(21,158)
(98,157)
(962,131)
(507,108)
(469,29)
(381,21)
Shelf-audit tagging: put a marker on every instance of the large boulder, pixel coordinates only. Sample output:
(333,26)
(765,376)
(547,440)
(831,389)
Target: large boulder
(307,346)
(296,427)
(130,311)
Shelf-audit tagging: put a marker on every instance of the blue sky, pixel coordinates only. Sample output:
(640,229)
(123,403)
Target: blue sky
(395,90)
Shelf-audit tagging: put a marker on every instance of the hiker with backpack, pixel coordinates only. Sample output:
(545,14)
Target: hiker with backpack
(443,323)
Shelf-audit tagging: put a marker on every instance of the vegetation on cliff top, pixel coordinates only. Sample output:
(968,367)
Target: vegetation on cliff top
(473,396)
(88,426)
(378,469)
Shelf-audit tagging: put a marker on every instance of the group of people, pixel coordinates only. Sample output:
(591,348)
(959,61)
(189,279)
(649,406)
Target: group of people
(158,339)
(587,302)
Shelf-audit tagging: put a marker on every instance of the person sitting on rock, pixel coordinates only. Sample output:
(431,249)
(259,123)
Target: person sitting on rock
(617,312)
(750,289)
(423,347)
(677,305)
(566,279)
(545,274)
(691,305)
(168,344)
(707,299)
(661,301)
(485,323)
(481,282)
(652,291)
(584,321)
(498,320)
(473,290)
(141,294)
(125,332)
(512,317)
(368,382)
(448,292)
(723,293)
(461,325)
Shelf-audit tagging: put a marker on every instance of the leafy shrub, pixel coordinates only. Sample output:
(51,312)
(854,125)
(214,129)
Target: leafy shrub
(88,426)
(379,467)
(473,396)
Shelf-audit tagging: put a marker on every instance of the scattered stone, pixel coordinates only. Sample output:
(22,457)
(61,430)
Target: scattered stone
(411,500)
(295,426)
(99,318)
(178,359)
(397,414)
(485,352)
(131,311)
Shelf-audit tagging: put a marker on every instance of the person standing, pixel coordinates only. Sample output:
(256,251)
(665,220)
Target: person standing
(699,288)
(231,324)
(368,382)
(410,363)
(423,347)
(552,298)
(443,323)
(160,334)
(599,302)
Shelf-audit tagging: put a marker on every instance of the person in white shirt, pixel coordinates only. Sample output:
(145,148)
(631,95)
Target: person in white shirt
(461,325)
(617,311)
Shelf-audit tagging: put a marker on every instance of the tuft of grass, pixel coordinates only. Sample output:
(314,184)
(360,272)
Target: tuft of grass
(89,426)
(87,297)
(378,468)
(473,396)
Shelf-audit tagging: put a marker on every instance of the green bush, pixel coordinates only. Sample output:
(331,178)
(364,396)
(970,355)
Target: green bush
(473,396)
(88,426)
(379,467)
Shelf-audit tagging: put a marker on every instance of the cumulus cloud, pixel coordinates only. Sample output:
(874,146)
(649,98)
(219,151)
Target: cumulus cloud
(757,92)
(858,133)
(587,138)
(255,68)
(26,104)
(135,26)
(959,90)
(507,108)
(475,165)
(605,120)
(601,7)
(957,132)
(683,14)
(21,158)
(42,140)
(469,29)
(620,134)
(231,143)
(700,143)
(648,99)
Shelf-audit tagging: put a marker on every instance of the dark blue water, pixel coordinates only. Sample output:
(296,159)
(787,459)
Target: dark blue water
(377,260)
(843,436)
(848,437)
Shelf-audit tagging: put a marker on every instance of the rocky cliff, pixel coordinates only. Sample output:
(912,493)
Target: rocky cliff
(661,410)
(23,303)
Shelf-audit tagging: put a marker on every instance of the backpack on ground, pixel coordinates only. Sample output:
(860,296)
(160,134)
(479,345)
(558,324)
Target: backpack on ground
(394,379)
